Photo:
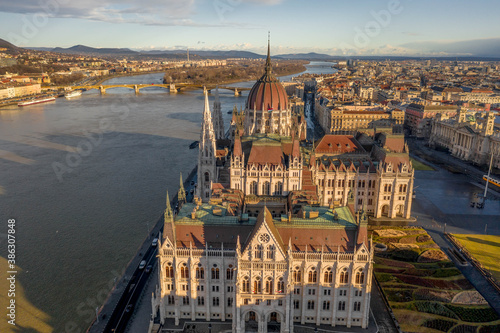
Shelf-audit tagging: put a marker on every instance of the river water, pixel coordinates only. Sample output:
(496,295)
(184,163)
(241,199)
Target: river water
(85,179)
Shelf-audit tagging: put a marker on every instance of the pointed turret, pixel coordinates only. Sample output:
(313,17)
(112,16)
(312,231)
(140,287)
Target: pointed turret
(181,195)
(168,211)
(168,223)
(217,117)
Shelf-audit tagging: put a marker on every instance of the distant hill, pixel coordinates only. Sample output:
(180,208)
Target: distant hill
(194,54)
(82,49)
(305,56)
(11,48)
(207,54)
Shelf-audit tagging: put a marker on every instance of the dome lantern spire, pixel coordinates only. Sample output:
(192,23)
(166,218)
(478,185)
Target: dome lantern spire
(268,60)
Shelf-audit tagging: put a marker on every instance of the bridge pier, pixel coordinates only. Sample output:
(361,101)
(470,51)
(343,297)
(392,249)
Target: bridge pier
(102,90)
(172,88)
(136,89)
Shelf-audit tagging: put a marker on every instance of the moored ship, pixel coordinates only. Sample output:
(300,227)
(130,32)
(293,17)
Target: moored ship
(37,101)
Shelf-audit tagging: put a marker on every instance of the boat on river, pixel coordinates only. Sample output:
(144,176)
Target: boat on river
(36,101)
(73,94)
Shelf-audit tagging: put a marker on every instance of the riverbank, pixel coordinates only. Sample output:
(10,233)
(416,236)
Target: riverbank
(15,101)
(213,79)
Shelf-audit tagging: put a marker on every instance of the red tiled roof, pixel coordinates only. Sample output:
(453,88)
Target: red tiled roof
(266,155)
(237,151)
(396,145)
(314,238)
(397,160)
(199,234)
(334,144)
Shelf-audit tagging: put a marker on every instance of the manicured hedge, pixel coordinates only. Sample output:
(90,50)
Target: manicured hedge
(474,314)
(439,324)
(446,272)
(435,308)
(490,329)
(464,329)
(406,255)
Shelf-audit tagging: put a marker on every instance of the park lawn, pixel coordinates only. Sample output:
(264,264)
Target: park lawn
(486,250)
(417,165)
(421,293)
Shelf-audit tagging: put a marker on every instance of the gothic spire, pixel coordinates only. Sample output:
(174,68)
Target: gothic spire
(217,117)
(181,195)
(168,211)
(268,60)
(207,126)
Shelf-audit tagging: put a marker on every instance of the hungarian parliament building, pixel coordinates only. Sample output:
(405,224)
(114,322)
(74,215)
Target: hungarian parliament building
(276,236)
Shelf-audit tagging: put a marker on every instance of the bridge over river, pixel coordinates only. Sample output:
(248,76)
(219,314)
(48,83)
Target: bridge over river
(172,87)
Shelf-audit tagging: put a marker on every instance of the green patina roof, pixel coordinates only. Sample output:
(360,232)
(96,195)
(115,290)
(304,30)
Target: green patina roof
(208,214)
(325,219)
(267,139)
(205,215)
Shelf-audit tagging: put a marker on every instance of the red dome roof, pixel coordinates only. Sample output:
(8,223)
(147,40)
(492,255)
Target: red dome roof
(267,93)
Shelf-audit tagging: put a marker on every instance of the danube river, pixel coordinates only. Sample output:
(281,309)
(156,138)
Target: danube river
(85,179)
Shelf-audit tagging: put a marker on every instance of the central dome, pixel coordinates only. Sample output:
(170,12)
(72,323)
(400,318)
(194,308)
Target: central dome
(267,93)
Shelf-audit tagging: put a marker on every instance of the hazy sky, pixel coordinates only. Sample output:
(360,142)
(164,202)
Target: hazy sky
(333,26)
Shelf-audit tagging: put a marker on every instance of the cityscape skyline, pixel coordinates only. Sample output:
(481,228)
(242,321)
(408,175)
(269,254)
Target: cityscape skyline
(380,28)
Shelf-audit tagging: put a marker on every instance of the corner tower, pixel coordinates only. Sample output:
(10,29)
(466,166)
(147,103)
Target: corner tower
(207,169)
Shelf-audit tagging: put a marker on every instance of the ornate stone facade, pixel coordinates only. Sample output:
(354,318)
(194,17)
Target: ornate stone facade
(264,273)
(469,136)
(381,181)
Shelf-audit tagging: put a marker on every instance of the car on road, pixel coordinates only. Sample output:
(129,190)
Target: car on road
(148,268)
(129,308)
(155,242)
(142,264)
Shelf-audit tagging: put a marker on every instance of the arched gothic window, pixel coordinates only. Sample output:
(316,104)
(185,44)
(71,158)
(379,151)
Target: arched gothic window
(257,285)
(296,274)
(215,273)
(270,252)
(169,272)
(253,187)
(246,285)
(258,251)
(328,278)
(269,285)
(281,286)
(184,272)
(344,276)
(313,275)
(200,273)
(229,273)
(360,277)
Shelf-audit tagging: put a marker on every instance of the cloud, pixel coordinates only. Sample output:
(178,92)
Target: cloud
(410,33)
(488,47)
(146,12)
